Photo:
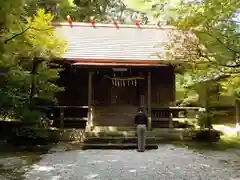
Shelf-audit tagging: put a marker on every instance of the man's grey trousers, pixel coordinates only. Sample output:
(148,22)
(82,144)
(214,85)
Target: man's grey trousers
(141,136)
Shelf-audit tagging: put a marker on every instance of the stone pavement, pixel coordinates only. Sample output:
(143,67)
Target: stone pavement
(166,163)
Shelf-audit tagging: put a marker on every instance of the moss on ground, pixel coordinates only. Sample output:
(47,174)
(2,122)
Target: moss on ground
(227,142)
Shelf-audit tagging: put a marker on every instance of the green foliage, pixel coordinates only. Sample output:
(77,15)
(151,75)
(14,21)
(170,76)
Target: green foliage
(82,10)
(106,11)
(59,8)
(163,11)
(207,37)
(229,142)
(231,86)
(205,118)
(185,96)
(103,10)
(214,50)
(28,45)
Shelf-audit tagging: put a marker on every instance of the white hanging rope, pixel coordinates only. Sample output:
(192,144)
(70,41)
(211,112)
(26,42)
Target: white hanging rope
(124,78)
(123,82)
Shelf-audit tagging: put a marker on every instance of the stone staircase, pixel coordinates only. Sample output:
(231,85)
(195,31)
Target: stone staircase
(102,137)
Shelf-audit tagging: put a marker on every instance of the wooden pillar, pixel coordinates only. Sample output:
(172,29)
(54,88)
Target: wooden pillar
(174,87)
(173,100)
(149,103)
(90,117)
(170,119)
(61,117)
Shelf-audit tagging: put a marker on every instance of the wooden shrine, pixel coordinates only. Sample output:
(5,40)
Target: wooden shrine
(113,71)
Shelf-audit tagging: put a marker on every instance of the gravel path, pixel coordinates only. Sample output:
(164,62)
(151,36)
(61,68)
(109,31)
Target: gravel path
(166,163)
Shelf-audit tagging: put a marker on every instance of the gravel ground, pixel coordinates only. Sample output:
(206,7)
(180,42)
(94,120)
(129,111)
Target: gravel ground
(166,163)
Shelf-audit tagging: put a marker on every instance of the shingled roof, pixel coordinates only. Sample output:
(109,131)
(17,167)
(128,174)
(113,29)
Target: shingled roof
(105,41)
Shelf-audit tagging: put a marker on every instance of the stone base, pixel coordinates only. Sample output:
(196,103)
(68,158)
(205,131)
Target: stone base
(67,135)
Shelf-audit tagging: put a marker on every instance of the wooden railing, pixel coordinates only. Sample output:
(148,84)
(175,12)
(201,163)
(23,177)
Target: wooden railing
(62,114)
(166,115)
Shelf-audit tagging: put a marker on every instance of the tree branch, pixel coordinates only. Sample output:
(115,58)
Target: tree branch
(232,66)
(237,65)
(24,31)
(16,35)
(220,41)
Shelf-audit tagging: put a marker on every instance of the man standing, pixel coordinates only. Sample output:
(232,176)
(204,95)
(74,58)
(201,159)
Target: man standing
(141,121)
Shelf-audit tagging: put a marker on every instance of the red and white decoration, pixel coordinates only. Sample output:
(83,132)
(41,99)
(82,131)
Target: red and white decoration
(69,19)
(138,23)
(92,21)
(116,22)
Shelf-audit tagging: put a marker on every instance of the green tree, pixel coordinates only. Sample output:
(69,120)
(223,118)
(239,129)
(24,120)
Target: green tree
(102,10)
(28,44)
(107,10)
(81,10)
(161,11)
(58,8)
(206,35)
(213,50)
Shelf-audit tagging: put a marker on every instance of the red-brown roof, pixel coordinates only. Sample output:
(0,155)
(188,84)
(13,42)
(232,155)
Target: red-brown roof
(105,42)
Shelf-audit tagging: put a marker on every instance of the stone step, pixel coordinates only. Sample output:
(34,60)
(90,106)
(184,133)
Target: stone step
(153,133)
(132,128)
(123,128)
(117,140)
(118,134)
(117,146)
(159,134)
(111,134)
(114,128)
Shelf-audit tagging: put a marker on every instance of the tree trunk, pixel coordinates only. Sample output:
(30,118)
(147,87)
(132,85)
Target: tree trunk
(237,107)
(35,64)
(208,122)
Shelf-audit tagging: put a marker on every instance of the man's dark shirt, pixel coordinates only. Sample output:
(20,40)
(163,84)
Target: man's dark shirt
(141,118)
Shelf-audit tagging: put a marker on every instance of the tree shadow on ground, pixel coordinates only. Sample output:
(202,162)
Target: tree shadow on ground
(14,165)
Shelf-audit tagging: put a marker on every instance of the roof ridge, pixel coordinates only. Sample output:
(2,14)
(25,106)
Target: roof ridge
(112,25)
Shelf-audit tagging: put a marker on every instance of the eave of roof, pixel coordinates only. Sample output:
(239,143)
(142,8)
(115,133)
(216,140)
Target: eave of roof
(121,62)
(118,61)
(112,25)
(118,64)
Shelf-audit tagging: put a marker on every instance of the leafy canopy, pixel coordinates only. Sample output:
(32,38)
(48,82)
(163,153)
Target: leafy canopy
(27,46)
(207,37)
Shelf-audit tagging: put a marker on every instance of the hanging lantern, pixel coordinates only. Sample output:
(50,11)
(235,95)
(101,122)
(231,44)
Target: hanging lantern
(92,21)
(69,19)
(138,22)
